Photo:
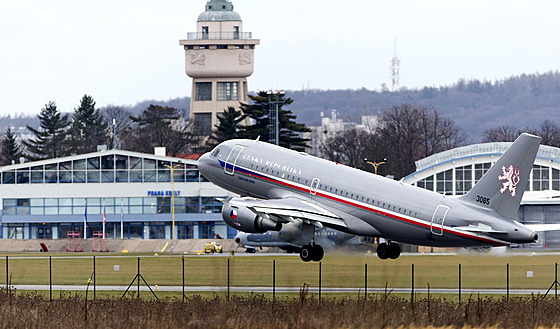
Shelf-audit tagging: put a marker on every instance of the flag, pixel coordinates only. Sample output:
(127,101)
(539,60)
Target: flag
(104,220)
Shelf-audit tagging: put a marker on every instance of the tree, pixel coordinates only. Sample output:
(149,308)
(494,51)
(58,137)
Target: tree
(48,142)
(160,126)
(121,118)
(10,150)
(228,126)
(409,133)
(500,134)
(289,129)
(88,128)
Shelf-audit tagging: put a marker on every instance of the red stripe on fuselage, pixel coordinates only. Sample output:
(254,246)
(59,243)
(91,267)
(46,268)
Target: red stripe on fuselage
(379,212)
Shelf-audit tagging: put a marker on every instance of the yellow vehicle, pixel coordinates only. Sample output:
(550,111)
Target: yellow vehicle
(212,247)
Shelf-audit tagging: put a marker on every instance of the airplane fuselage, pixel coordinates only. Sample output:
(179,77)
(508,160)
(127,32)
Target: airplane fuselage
(370,205)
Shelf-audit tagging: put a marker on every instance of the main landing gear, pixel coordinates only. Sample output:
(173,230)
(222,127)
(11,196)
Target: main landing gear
(311,252)
(388,250)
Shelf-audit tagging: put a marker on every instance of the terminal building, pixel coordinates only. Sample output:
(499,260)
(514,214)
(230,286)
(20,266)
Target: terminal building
(49,198)
(455,171)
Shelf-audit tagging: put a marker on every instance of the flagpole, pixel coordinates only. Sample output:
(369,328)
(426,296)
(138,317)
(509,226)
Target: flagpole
(122,216)
(85,222)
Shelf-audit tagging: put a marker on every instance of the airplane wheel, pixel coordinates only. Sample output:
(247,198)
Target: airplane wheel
(306,253)
(394,250)
(318,253)
(383,251)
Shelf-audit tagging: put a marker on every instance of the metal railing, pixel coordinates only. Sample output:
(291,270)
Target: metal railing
(219,35)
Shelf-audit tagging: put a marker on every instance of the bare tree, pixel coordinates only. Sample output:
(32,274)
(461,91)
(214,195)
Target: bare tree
(500,134)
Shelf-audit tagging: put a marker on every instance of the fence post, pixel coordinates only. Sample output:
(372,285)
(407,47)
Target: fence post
(138,275)
(459,283)
(274,280)
(320,281)
(507,280)
(365,281)
(94,282)
(228,279)
(7,281)
(412,289)
(555,281)
(50,278)
(183,263)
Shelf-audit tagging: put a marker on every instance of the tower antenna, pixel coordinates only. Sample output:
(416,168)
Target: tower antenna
(395,69)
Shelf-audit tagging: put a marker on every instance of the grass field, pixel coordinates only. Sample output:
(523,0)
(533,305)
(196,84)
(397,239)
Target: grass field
(338,270)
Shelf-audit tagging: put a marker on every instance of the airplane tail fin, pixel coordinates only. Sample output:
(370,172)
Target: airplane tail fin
(502,187)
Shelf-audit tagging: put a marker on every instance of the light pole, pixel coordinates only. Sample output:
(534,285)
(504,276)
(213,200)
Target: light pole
(375,164)
(173,198)
(275,102)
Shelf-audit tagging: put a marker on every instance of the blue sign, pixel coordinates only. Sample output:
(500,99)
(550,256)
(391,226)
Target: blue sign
(163,193)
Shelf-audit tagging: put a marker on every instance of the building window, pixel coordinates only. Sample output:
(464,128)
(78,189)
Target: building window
(427,183)
(463,180)
(236,32)
(222,46)
(239,47)
(227,91)
(540,178)
(444,182)
(480,169)
(205,32)
(204,91)
(203,123)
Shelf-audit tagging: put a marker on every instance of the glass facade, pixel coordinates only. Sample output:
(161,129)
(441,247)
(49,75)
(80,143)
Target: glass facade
(227,91)
(95,206)
(542,178)
(103,169)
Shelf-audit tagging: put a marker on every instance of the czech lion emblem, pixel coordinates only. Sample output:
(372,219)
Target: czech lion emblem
(511,177)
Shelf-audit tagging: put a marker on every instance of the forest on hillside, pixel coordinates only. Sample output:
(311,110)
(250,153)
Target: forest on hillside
(475,106)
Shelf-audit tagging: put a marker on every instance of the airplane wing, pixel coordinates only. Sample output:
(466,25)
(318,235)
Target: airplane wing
(543,227)
(288,209)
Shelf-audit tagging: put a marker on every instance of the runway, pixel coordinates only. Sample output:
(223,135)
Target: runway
(224,289)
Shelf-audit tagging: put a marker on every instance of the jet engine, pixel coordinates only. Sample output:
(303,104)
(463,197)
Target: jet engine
(243,219)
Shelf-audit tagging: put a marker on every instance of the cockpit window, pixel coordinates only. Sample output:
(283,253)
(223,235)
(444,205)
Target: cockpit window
(215,152)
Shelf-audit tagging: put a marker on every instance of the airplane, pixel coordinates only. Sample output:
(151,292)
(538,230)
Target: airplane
(292,237)
(280,186)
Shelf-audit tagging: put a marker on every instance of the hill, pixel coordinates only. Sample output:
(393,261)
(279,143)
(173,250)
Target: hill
(519,101)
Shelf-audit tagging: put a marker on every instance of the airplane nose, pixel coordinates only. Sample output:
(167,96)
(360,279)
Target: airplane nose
(203,163)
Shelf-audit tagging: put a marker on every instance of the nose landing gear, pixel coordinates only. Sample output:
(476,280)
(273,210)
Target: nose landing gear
(388,250)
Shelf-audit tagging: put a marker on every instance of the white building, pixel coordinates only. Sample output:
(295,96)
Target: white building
(49,198)
(455,171)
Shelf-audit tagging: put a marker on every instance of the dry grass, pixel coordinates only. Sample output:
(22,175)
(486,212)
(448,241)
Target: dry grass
(29,310)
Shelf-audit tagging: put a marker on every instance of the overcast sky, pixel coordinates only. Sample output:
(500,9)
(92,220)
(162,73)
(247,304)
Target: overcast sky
(122,52)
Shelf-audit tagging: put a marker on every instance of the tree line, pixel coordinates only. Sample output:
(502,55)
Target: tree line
(404,133)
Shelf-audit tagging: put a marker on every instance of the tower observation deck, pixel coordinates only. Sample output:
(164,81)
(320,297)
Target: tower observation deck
(219,57)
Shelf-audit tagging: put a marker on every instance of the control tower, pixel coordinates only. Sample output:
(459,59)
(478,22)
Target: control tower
(219,57)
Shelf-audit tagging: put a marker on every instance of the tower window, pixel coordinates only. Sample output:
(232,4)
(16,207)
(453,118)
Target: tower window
(205,32)
(222,46)
(236,32)
(239,47)
(227,91)
(203,123)
(204,91)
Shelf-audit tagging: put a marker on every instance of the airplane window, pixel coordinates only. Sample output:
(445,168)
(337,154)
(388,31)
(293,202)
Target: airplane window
(383,204)
(399,209)
(215,152)
(336,191)
(367,200)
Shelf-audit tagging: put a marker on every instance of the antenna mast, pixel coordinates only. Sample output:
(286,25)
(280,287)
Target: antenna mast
(395,69)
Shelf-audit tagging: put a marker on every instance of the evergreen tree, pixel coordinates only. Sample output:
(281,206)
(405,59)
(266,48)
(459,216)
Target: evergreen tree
(88,129)
(159,126)
(289,129)
(49,138)
(10,150)
(228,126)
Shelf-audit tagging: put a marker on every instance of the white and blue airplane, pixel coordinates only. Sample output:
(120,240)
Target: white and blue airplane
(280,186)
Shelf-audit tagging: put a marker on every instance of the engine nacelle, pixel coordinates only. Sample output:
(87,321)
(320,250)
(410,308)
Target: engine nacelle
(243,219)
